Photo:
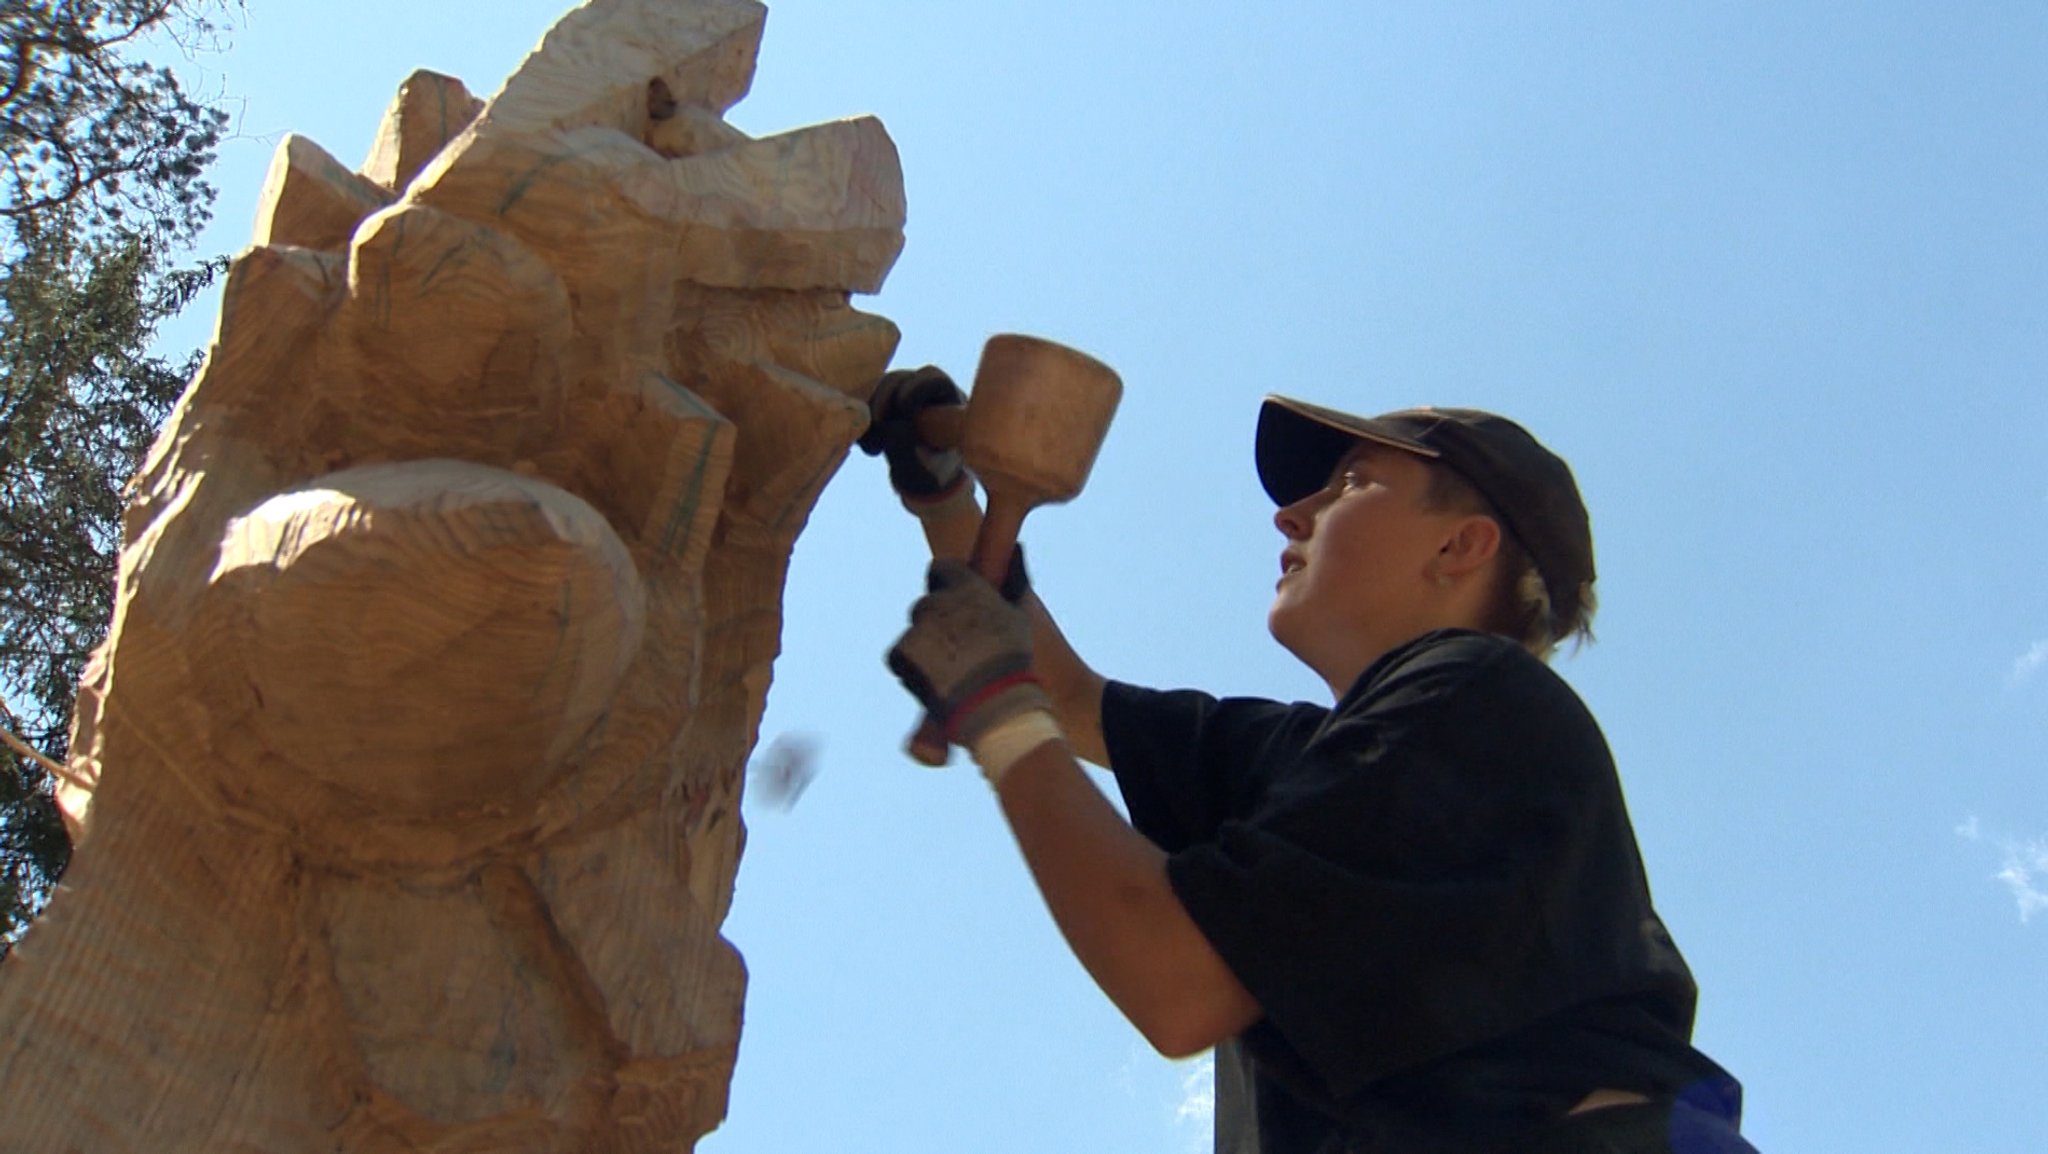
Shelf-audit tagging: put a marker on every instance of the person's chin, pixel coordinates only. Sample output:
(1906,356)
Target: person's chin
(1283,621)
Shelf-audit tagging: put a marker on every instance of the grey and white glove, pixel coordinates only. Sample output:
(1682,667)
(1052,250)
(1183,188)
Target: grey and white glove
(929,480)
(967,659)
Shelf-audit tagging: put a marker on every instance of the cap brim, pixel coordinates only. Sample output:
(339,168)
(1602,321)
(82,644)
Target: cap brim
(1299,444)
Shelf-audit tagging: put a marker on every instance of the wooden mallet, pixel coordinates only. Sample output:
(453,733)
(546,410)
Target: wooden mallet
(1030,431)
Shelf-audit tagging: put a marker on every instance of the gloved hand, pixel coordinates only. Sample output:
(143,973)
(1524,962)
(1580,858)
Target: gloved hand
(967,657)
(928,480)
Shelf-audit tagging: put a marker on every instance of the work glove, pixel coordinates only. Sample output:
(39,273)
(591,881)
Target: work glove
(930,481)
(967,659)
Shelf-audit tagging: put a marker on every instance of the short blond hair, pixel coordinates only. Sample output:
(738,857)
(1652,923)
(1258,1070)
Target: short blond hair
(1523,609)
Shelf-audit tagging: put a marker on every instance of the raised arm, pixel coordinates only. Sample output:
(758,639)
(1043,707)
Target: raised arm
(1104,882)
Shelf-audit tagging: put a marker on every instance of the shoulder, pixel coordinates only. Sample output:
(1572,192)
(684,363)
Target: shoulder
(1186,760)
(1482,703)
(1134,707)
(1454,667)
(1452,650)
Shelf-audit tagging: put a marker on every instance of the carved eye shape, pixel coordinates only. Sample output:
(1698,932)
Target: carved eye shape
(661,100)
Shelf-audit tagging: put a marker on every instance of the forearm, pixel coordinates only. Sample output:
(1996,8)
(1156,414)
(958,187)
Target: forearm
(1075,689)
(1104,883)
(1106,887)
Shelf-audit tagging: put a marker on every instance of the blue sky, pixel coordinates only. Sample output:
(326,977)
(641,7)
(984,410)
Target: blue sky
(1772,276)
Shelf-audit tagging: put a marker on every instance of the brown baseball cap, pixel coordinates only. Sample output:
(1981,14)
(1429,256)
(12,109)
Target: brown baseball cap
(1528,485)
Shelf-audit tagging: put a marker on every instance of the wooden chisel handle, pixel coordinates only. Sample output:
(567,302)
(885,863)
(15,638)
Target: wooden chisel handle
(942,426)
(993,545)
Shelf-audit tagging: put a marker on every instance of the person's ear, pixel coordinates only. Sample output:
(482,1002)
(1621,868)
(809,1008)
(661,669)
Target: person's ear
(1472,542)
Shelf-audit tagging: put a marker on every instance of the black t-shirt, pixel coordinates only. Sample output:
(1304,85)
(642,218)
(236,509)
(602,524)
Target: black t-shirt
(1434,893)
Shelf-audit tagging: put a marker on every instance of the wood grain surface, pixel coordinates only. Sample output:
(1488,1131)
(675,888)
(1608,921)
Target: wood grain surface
(407,782)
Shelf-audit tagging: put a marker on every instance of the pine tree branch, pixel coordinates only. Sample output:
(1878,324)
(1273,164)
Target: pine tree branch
(62,773)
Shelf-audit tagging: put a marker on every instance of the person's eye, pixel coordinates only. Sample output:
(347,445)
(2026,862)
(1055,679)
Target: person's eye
(1346,480)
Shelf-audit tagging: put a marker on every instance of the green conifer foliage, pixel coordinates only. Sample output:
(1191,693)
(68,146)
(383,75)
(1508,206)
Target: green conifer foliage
(102,193)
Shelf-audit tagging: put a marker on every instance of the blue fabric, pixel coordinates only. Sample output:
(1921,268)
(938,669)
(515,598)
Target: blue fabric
(1656,1128)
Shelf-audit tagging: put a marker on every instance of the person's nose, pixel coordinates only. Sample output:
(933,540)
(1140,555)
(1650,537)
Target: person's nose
(1298,520)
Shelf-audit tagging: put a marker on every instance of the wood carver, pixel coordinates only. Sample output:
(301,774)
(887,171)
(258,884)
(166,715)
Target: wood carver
(408,777)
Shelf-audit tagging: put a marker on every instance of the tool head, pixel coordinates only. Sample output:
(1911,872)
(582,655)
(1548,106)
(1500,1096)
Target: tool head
(1037,418)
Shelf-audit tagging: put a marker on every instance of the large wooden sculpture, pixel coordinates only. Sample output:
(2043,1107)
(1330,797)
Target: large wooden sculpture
(448,601)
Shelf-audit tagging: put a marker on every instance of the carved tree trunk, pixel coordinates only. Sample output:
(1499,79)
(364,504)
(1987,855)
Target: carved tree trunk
(410,772)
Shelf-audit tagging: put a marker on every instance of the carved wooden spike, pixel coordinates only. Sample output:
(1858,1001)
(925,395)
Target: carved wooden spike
(813,208)
(429,111)
(310,200)
(449,601)
(817,208)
